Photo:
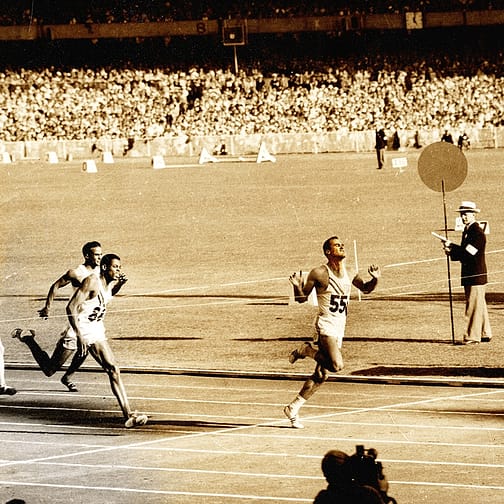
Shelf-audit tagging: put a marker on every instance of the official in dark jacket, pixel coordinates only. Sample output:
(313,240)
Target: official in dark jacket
(471,254)
(380,145)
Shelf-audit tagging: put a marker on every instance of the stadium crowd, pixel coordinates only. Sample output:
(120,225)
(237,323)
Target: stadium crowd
(117,102)
(22,12)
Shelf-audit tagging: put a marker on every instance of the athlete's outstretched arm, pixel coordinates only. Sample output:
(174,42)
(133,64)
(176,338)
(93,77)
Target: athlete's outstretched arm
(302,289)
(62,281)
(370,285)
(119,283)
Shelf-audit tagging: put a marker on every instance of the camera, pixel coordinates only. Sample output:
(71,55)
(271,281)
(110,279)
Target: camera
(365,469)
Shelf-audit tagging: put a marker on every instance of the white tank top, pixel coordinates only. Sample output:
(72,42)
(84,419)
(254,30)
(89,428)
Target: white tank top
(93,310)
(333,303)
(82,272)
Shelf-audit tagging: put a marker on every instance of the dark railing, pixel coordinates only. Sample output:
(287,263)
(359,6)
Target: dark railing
(212,27)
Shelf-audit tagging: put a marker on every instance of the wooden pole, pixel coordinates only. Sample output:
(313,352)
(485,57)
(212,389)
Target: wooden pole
(448,263)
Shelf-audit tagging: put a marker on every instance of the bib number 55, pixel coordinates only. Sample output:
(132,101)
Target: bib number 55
(338,304)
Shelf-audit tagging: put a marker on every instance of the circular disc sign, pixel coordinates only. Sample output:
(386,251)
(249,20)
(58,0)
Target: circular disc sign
(442,162)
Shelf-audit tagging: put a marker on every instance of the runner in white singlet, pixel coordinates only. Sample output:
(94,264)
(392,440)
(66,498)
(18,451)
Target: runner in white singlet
(333,305)
(86,311)
(91,313)
(68,337)
(332,285)
(67,343)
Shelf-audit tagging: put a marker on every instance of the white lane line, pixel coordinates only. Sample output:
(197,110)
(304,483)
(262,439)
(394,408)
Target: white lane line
(412,426)
(266,454)
(72,427)
(447,412)
(385,407)
(470,396)
(449,485)
(317,418)
(184,434)
(185,470)
(169,385)
(260,475)
(48,443)
(231,431)
(157,492)
(333,388)
(356,440)
(335,410)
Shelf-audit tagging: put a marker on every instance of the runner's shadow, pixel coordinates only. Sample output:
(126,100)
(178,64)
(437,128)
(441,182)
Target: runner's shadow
(445,371)
(435,297)
(350,339)
(196,424)
(156,338)
(72,418)
(431,297)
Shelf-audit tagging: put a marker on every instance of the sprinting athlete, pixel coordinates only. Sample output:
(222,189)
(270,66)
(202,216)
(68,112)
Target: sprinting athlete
(67,343)
(332,285)
(86,311)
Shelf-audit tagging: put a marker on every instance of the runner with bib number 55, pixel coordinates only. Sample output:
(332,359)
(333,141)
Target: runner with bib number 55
(332,285)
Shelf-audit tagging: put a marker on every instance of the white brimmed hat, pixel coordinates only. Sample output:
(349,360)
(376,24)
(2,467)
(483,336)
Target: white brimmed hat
(468,206)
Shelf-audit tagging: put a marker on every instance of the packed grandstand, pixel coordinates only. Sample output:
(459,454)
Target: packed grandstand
(286,83)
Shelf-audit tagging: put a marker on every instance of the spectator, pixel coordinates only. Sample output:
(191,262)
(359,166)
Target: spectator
(406,92)
(396,142)
(463,141)
(416,142)
(380,146)
(447,137)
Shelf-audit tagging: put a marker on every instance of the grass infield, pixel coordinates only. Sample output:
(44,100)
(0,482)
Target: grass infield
(208,250)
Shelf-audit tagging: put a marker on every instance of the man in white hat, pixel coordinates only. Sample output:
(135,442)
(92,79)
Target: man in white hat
(471,254)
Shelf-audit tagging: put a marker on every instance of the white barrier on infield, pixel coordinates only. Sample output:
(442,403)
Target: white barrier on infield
(157,162)
(52,157)
(89,166)
(6,157)
(107,157)
(206,157)
(262,156)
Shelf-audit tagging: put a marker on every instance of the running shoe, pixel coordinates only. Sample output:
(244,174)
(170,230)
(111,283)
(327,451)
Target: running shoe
(293,418)
(136,420)
(298,353)
(69,385)
(17,333)
(7,390)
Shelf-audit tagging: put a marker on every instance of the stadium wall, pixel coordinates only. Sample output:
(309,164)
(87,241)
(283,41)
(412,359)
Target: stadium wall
(238,145)
(211,27)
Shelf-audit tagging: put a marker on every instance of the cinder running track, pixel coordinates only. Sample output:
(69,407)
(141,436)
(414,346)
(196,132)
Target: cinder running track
(224,440)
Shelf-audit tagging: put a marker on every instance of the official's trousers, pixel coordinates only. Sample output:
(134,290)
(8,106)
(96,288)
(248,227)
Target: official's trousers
(476,313)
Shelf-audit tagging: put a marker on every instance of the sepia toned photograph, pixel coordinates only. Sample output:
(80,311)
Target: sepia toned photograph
(251,251)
